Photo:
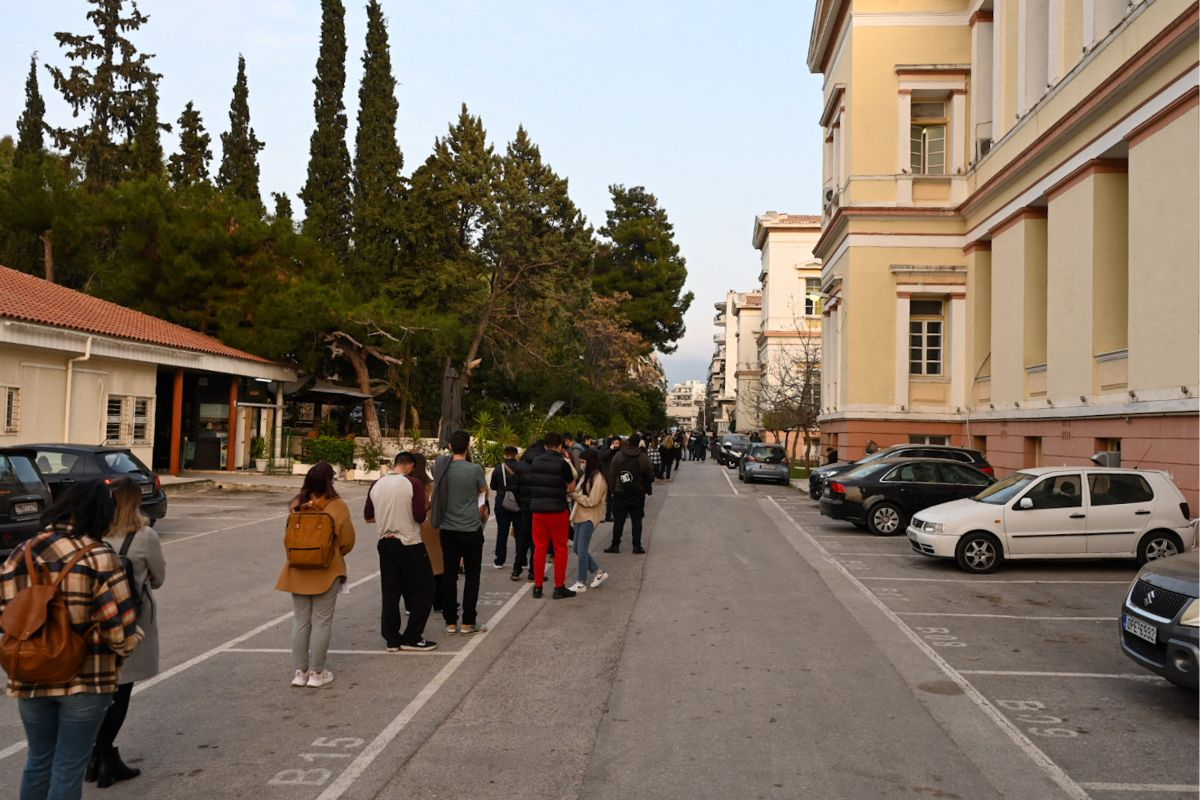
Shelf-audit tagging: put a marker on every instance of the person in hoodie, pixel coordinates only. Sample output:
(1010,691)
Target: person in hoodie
(631,477)
(504,482)
(612,447)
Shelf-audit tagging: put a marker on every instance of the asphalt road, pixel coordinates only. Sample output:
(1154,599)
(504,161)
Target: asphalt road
(756,651)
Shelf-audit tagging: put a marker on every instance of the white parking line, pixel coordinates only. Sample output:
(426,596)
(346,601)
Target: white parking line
(278,650)
(1022,674)
(186,537)
(1001,616)
(985,580)
(731,486)
(1150,788)
(1018,737)
(372,751)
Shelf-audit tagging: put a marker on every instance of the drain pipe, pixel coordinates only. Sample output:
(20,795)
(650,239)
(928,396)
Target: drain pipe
(87,354)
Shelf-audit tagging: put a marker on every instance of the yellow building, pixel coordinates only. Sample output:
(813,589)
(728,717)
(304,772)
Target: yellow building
(1010,249)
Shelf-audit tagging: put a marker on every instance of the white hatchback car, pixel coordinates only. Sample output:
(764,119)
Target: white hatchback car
(1059,512)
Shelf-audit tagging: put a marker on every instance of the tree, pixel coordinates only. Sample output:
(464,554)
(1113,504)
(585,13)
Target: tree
(283,206)
(378,185)
(239,147)
(788,397)
(31,142)
(109,84)
(640,257)
(190,165)
(146,150)
(326,192)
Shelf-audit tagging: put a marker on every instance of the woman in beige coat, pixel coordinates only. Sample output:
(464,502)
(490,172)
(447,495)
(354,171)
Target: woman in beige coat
(314,590)
(589,497)
(430,536)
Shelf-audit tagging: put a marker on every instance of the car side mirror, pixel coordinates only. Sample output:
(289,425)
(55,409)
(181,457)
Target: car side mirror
(1025,503)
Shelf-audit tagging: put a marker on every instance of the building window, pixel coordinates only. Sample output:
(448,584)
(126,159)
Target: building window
(812,297)
(914,438)
(141,420)
(11,396)
(925,323)
(127,420)
(113,419)
(927,137)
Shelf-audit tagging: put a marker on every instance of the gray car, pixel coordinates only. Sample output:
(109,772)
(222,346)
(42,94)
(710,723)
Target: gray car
(765,462)
(1160,619)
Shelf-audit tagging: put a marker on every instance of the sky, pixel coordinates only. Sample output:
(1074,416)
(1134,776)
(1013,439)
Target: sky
(707,104)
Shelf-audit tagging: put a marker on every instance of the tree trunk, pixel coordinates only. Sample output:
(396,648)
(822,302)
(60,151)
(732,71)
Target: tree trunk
(370,414)
(47,238)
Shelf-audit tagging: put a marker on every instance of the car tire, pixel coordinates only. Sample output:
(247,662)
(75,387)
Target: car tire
(886,519)
(813,495)
(978,553)
(1158,544)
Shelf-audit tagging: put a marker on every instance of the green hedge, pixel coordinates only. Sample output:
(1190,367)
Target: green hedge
(338,452)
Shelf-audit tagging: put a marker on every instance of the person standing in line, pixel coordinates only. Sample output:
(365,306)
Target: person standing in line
(632,478)
(503,483)
(459,512)
(572,449)
(61,719)
(606,457)
(397,503)
(430,536)
(524,557)
(552,480)
(667,454)
(589,510)
(314,590)
(677,450)
(654,453)
(132,537)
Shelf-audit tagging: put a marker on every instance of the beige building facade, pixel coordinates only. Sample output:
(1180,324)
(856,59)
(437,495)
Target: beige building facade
(1009,243)
(722,384)
(747,316)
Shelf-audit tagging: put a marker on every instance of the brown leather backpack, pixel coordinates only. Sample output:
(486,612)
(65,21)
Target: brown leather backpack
(39,644)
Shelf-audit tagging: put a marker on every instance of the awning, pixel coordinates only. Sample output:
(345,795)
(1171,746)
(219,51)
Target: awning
(311,390)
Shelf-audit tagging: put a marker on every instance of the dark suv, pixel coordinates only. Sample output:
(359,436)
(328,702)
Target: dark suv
(23,497)
(64,465)
(821,475)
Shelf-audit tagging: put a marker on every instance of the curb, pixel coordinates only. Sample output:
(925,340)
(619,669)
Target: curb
(187,486)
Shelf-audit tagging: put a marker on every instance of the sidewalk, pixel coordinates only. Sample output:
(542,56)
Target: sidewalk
(198,480)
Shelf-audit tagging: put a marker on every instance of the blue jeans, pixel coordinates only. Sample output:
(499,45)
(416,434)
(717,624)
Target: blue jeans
(583,540)
(61,732)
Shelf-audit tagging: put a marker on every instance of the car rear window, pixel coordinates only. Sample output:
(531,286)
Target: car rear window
(864,471)
(767,454)
(17,472)
(123,463)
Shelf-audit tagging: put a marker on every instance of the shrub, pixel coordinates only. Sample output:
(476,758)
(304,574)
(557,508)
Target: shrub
(338,452)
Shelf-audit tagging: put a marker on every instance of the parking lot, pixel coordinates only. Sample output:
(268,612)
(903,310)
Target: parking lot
(1039,643)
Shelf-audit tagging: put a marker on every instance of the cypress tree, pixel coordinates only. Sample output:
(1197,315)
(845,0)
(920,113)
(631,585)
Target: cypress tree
(239,147)
(190,165)
(147,153)
(31,124)
(378,185)
(112,93)
(283,205)
(326,192)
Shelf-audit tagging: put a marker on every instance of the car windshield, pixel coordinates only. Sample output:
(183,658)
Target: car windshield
(864,471)
(124,463)
(17,472)
(1000,493)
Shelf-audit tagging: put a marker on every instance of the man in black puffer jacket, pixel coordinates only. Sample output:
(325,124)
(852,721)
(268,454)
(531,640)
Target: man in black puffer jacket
(524,555)
(631,477)
(551,480)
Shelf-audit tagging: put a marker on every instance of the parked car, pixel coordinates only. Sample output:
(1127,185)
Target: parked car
(23,497)
(883,494)
(1160,621)
(765,462)
(730,450)
(819,476)
(1059,512)
(64,465)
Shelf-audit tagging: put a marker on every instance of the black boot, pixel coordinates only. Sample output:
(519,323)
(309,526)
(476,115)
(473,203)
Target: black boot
(92,767)
(112,769)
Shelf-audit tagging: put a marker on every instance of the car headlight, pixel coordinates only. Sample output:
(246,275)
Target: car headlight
(1191,614)
(928,527)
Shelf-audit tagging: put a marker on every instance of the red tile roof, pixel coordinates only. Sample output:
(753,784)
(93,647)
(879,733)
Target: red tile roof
(30,299)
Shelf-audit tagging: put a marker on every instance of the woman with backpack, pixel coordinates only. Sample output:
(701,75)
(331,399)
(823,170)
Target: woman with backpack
(589,496)
(314,589)
(141,554)
(63,701)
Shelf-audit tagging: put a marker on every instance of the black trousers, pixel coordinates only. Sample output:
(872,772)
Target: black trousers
(523,558)
(633,507)
(467,546)
(404,571)
(505,520)
(106,738)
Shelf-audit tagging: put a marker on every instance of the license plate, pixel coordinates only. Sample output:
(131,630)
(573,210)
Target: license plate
(147,489)
(25,508)
(1140,629)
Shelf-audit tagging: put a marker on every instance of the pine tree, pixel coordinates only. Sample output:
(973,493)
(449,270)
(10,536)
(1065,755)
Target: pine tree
(30,125)
(283,205)
(239,147)
(190,165)
(378,186)
(112,93)
(326,192)
(641,258)
(146,149)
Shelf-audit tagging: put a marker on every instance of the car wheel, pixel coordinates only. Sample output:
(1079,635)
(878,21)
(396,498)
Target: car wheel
(813,495)
(885,519)
(1158,544)
(978,553)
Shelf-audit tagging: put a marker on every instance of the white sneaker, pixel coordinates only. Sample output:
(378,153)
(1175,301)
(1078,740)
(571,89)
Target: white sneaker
(318,679)
(301,678)
(579,587)
(600,578)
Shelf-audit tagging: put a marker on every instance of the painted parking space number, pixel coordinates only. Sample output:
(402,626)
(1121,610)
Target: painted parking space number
(334,750)
(1035,719)
(940,637)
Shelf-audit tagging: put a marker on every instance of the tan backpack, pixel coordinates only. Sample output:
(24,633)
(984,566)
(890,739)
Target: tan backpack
(309,538)
(39,644)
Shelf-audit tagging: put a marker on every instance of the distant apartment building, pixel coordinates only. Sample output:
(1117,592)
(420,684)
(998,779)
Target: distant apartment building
(720,399)
(747,315)
(1009,238)
(685,404)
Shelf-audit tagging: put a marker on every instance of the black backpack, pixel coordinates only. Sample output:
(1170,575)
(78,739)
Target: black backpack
(627,480)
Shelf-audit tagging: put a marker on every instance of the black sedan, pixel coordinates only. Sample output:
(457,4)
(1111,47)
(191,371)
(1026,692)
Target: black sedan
(64,465)
(23,497)
(821,475)
(882,495)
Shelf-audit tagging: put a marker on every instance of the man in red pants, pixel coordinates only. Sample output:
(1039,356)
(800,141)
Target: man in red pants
(552,480)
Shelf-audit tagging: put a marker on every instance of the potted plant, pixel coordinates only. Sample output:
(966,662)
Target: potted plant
(258,453)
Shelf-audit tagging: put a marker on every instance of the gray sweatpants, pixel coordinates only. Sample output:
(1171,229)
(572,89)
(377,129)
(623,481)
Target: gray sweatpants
(312,625)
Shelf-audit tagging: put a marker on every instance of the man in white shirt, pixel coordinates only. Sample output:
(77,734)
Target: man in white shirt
(396,502)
